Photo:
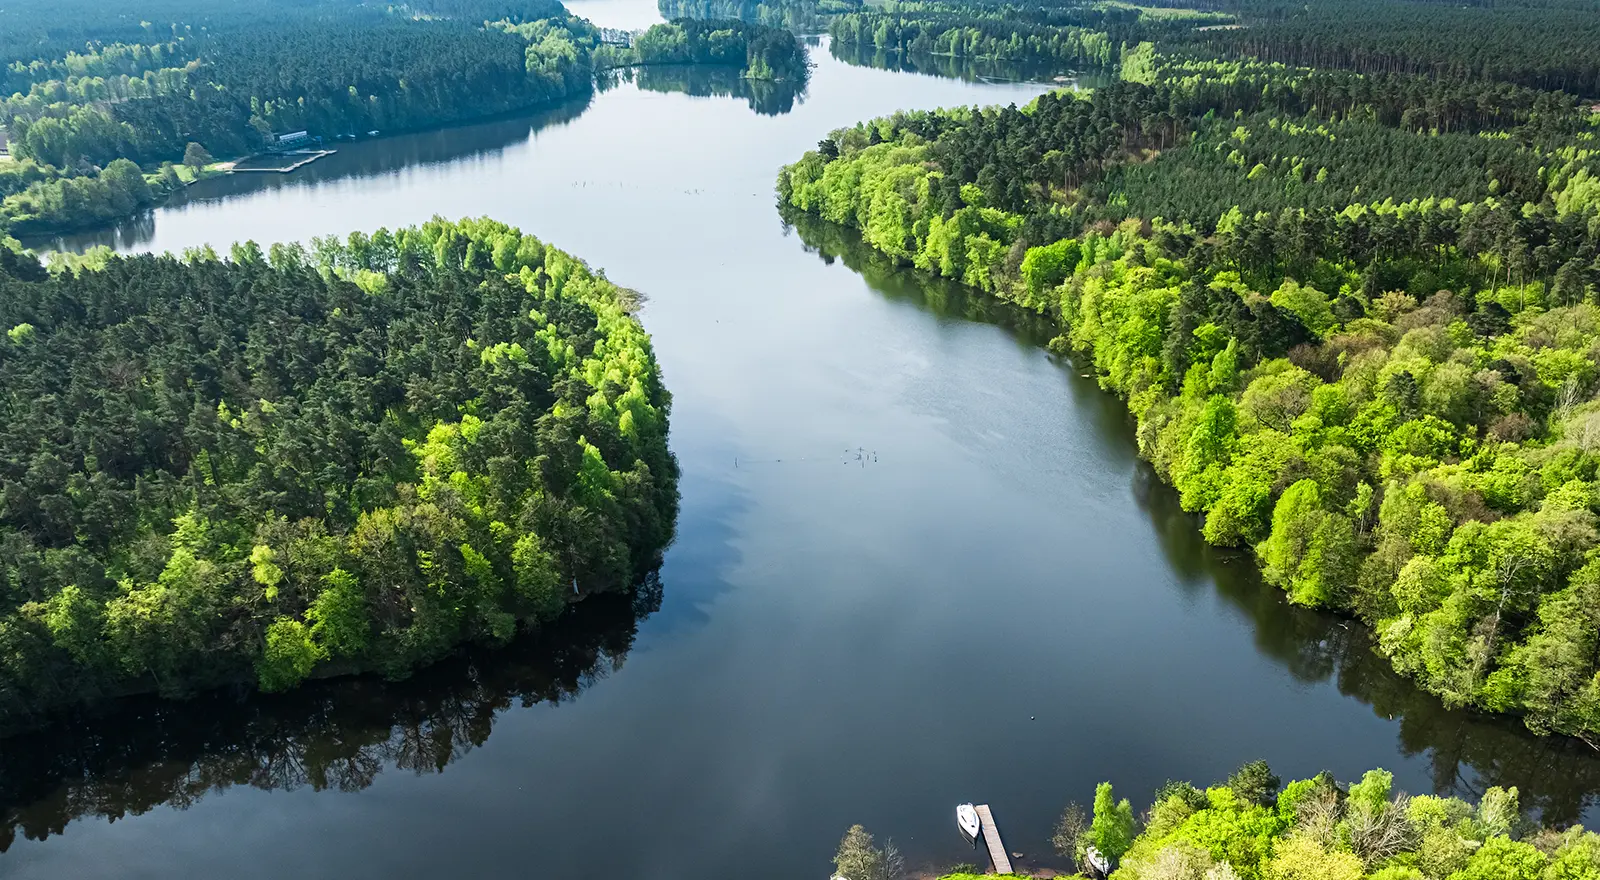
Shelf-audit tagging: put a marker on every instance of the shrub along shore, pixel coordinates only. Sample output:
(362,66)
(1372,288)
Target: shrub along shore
(1252,827)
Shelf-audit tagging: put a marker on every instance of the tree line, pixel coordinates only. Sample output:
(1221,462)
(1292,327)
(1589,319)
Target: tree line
(1254,827)
(1546,46)
(989,38)
(799,16)
(304,462)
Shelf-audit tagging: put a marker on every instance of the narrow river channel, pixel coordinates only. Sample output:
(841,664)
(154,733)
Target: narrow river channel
(917,564)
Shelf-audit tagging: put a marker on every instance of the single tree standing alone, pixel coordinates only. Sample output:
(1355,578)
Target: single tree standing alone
(858,859)
(196,157)
(1069,832)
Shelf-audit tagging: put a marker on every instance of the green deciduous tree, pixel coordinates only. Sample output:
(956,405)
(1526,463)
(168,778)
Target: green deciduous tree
(1112,829)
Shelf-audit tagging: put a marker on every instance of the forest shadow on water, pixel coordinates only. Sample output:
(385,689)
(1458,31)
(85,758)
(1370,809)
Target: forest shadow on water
(990,70)
(406,152)
(332,735)
(764,97)
(352,160)
(1465,752)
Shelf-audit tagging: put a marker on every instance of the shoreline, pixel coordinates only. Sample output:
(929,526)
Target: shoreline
(1078,361)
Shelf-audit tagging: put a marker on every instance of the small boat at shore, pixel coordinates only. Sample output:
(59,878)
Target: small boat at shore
(967,820)
(1098,863)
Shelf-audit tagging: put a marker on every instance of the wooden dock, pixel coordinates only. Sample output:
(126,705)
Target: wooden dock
(302,158)
(991,838)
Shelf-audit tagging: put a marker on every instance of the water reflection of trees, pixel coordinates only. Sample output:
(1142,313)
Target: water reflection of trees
(391,155)
(332,735)
(1466,753)
(360,159)
(765,97)
(951,67)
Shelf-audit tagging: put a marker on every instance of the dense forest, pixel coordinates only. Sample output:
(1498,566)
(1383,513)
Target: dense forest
(799,16)
(303,462)
(1547,45)
(762,52)
(108,120)
(1353,311)
(1253,827)
(1542,44)
(978,38)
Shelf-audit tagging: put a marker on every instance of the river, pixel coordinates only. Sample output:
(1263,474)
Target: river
(917,563)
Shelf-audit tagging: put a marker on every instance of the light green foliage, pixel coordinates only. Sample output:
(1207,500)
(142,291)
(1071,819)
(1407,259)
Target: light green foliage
(1501,858)
(1046,266)
(1176,861)
(1112,828)
(338,616)
(537,578)
(1303,858)
(1314,829)
(1306,303)
(1311,552)
(1228,827)
(75,622)
(266,573)
(289,656)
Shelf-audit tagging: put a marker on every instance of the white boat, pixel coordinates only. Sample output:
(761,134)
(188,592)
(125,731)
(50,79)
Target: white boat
(1097,861)
(967,819)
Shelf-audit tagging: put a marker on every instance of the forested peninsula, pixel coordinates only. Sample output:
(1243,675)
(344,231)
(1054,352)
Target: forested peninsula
(108,113)
(306,462)
(1352,309)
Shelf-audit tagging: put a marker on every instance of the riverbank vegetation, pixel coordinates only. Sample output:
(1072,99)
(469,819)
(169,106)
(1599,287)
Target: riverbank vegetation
(306,462)
(231,81)
(1354,315)
(1253,828)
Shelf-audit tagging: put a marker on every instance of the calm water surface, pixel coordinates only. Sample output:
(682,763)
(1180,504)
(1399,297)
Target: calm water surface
(917,564)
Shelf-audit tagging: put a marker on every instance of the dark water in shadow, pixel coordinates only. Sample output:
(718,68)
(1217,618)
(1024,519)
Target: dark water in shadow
(332,736)
(917,564)
(703,81)
(971,69)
